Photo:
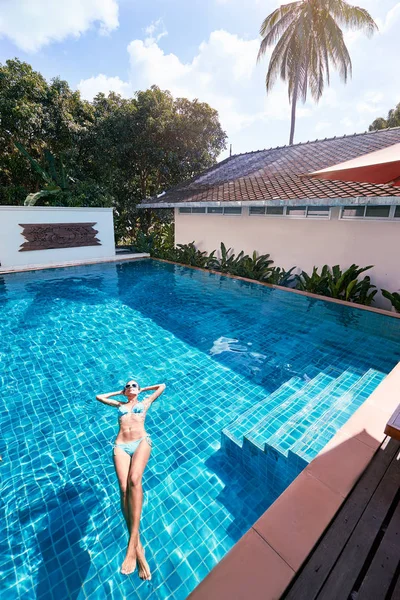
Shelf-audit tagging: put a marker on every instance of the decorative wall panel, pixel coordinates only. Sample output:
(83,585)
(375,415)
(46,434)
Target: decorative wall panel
(46,236)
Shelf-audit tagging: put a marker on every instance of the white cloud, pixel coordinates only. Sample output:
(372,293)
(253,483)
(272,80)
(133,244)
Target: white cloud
(155,31)
(391,19)
(101,83)
(32,24)
(224,73)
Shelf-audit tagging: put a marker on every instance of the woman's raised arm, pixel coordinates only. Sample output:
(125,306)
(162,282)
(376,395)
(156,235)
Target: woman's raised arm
(105,398)
(159,388)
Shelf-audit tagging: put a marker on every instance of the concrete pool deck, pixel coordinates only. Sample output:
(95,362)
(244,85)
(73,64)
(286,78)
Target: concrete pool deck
(266,559)
(74,263)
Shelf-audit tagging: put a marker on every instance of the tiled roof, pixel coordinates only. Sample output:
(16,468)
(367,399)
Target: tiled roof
(275,174)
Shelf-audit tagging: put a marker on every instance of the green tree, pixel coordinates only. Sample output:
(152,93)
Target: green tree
(40,116)
(308,41)
(113,149)
(392,120)
(141,146)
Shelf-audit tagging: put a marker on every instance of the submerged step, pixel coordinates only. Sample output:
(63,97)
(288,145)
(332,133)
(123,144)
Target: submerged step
(329,422)
(299,423)
(253,415)
(280,414)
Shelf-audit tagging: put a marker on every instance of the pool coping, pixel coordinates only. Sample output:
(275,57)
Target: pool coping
(279,542)
(374,309)
(74,263)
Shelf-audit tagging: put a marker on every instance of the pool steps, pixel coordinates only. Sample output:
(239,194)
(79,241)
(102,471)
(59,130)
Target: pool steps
(314,438)
(282,417)
(280,435)
(303,416)
(253,415)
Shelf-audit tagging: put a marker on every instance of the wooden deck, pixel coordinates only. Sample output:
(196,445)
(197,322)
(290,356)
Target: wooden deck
(358,557)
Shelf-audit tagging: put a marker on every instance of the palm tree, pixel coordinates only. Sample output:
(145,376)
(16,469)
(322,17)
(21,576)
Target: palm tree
(309,41)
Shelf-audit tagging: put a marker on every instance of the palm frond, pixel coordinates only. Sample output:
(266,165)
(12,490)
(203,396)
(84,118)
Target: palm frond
(352,17)
(274,27)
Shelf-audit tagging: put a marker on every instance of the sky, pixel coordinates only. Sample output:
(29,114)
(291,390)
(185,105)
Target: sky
(205,49)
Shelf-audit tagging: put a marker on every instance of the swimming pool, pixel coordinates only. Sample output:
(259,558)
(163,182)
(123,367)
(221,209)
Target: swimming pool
(271,374)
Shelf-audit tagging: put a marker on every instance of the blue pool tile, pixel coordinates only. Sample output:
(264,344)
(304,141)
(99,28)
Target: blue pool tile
(225,349)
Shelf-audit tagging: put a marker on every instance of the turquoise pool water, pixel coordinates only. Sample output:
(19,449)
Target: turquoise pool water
(269,374)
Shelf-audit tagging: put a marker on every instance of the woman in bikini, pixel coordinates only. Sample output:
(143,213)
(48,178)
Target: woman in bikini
(131,452)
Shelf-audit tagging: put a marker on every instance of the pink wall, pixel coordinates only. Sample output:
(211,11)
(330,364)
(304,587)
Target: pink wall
(302,242)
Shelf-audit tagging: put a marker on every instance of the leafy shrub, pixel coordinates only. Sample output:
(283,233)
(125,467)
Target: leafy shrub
(13,194)
(144,242)
(281,277)
(243,265)
(188,255)
(335,283)
(316,283)
(394,298)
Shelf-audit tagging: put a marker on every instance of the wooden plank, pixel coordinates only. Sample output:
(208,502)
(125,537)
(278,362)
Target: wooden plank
(383,567)
(393,425)
(396,591)
(44,236)
(343,577)
(313,575)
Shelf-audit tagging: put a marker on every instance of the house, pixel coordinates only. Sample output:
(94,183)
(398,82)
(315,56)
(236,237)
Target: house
(264,201)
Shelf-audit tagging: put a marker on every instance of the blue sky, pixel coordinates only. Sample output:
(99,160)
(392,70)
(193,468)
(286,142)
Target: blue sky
(205,49)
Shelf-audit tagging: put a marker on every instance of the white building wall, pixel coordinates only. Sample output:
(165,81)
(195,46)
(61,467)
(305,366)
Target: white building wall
(302,242)
(11,236)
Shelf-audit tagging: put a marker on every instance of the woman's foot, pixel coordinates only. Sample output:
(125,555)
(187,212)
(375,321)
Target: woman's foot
(129,564)
(143,565)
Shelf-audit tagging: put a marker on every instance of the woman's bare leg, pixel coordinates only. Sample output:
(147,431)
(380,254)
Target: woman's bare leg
(135,500)
(143,565)
(122,464)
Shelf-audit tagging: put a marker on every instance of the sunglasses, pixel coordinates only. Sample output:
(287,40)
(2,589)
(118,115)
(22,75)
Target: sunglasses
(132,385)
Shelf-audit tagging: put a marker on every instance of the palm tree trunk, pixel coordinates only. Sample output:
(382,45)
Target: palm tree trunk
(293,119)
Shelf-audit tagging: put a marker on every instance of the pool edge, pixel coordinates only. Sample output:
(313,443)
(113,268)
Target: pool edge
(374,309)
(74,263)
(279,542)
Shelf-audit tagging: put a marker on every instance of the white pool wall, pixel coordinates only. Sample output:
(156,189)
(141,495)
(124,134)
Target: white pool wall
(11,236)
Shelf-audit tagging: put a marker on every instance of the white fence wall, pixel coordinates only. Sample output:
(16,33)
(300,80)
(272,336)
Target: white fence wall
(11,236)
(302,242)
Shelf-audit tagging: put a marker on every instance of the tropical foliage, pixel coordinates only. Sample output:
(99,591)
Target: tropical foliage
(113,150)
(394,298)
(392,120)
(308,41)
(335,283)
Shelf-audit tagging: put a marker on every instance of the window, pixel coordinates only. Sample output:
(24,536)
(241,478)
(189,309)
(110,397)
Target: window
(349,212)
(317,212)
(397,212)
(257,210)
(275,210)
(320,212)
(215,210)
(296,211)
(232,210)
(195,210)
(369,212)
(379,212)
